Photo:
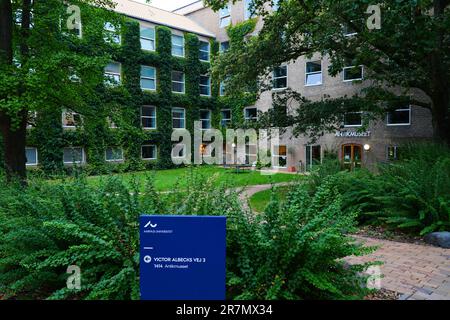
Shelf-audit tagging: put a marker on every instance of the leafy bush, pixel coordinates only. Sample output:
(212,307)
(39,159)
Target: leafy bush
(286,253)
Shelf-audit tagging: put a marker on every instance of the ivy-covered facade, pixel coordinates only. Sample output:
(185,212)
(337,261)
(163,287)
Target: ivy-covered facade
(130,122)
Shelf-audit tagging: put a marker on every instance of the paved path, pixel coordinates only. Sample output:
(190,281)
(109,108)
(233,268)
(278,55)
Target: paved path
(418,272)
(248,192)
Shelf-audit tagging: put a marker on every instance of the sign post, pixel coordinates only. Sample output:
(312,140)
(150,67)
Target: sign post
(182,257)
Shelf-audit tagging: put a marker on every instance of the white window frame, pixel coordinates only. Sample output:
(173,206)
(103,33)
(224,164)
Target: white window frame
(184,117)
(149,145)
(149,117)
(115,160)
(153,40)
(148,78)
(400,124)
(37,157)
(207,86)
(208,119)
(395,152)
(119,74)
(182,46)
(179,82)
(287,78)
(354,125)
(225,15)
(275,154)
(83,156)
(313,73)
(227,120)
(310,160)
(351,67)
(250,119)
(207,51)
(111,29)
(63,117)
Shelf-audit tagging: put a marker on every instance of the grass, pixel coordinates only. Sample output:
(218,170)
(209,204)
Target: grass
(166,180)
(260,200)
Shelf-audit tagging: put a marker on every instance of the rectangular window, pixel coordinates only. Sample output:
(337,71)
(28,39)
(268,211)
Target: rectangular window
(147,38)
(224,46)
(177,82)
(148,152)
(114,154)
(177,46)
(148,117)
(353,73)
(225,120)
(32,156)
(148,78)
(204,51)
(279,158)
(280,78)
(353,119)
(399,117)
(313,76)
(113,73)
(205,118)
(251,114)
(178,118)
(225,17)
(112,35)
(73,155)
(251,156)
(313,157)
(248,10)
(392,153)
(205,85)
(222,88)
(71,119)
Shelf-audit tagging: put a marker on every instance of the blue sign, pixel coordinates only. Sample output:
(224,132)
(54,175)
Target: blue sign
(182,257)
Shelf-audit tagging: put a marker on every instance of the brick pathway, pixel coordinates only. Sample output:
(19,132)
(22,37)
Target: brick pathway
(418,272)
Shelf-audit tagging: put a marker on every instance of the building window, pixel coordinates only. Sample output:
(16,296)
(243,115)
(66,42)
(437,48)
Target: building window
(251,114)
(114,154)
(353,73)
(71,119)
(224,46)
(313,76)
(177,46)
(280,78)
(225,16)
(113,73)
(205,85)
(148,152)
(204,51)
(392,153)
(205,118)
(399,117)
(248,10)
(313,156)
(225,120)
(147,37)
(111,33)
(251,156)
(32,156)
(178,118)
(353,119)
(148,117)
(222,88)
(177,82)
(280,157)
(73,155)
(148,78)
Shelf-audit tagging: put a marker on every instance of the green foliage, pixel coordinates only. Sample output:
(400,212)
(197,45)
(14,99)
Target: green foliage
(288,253)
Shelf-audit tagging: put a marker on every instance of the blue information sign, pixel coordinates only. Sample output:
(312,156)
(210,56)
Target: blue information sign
(182,257)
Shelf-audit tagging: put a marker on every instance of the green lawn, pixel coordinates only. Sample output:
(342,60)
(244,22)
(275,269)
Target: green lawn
(260,200)
(165,180)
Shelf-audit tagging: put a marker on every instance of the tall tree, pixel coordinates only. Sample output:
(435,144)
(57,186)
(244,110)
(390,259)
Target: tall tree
(44,65)
(406,57)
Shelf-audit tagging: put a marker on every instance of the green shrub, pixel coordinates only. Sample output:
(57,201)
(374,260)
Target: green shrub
(286,253)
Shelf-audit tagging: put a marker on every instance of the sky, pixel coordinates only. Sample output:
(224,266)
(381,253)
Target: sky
(169,4)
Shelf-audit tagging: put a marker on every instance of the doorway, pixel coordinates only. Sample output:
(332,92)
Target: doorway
(351,156)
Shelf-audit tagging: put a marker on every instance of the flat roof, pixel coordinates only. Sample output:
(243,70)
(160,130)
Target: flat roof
(145,12)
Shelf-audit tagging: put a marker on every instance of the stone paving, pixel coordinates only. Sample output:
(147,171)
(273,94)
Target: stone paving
(418,272)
